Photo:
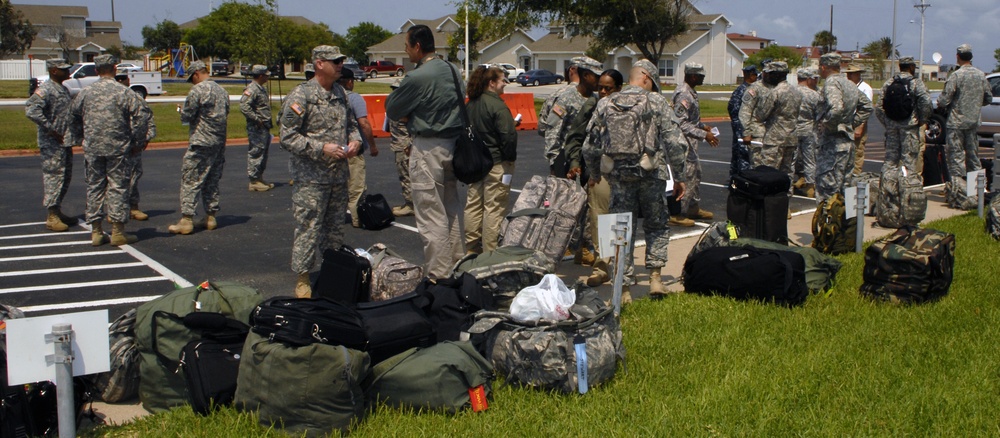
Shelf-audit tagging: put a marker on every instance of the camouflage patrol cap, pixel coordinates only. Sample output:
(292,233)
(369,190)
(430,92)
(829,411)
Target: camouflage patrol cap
(807,73)
(327,53)
(693,68)
(964,48)
(57,63)
(194,67)
(586,63)
(258,70)
(830,60)
(777,67)
(907,60)
(105,61)
(650,70)
(395,84)
(309,68)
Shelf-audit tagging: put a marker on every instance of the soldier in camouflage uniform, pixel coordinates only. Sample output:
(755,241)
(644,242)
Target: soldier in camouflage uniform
(108,119)
(320,132)
(48,107)
(135,157)
(902,139)
(206,110)
(965,92)
(751,98)
(688,111)
(560,109)
(400,145)
(778,112)
(255,105)
(741,153)
(805,130)
(842,110)
(641,188)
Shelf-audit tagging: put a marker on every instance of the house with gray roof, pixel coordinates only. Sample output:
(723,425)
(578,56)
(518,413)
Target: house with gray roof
(66,31)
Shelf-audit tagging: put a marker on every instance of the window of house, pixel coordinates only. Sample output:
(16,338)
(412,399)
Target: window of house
(666,67)
(762,45)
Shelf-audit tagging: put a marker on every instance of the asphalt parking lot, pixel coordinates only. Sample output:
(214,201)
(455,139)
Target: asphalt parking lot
(46,273)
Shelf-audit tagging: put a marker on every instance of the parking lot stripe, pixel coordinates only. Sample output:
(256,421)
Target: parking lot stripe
(58,256)
(82,284)
(156,266)
(70,269)
(26,224)
(83,304)
(44,245)
(405,227)
(726,187)
(28,236)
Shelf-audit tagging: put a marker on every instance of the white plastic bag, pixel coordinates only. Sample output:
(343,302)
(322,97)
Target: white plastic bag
(549,299)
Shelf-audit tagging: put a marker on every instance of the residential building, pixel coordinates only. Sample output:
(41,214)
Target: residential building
(66,32)
(749,43)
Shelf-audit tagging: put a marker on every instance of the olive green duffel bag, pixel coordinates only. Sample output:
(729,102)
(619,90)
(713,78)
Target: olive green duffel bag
(314,388)
(160,336)
(449,376)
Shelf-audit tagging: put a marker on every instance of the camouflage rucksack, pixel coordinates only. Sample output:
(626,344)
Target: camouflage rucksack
(902,200)
(569,356)
(122,381)
(993,218)
(505,271)
(832,232)
(912,265)
(391,275)
(717,234)
(955,196)
(630,128)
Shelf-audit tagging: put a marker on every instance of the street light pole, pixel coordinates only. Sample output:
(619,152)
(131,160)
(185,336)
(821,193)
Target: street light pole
(892,47)
(922,7)
(468,49)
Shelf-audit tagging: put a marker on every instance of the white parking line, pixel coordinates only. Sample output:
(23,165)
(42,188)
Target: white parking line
(70,269)
(44,245)
(405,227)
(82,284)
(28,236)
(83,304)
(153,264)
(726,187)
(59,256)
(26,224)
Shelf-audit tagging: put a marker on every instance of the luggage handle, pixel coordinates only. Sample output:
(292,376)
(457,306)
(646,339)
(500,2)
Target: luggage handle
(529,212)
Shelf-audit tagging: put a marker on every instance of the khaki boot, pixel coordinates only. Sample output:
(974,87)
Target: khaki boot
(655,285)
(700,214)
(677,221)
(53,222)
(210,223)
(302,288)
(258,185)
(799,183)
(403,210)
(810,190)
(137,214)
(626,295)
(184,226)
(118,236)
(68,220)
(584,257)
(97,234)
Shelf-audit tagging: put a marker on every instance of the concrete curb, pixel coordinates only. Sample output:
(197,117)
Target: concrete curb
(151,146)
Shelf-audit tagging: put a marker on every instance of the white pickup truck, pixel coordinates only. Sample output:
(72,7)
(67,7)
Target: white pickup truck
(84,74)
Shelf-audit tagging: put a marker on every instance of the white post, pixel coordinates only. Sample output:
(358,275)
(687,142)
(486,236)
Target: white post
(859,205)
(892,47)
(922,7)
(468,49)
(621,245)
(62,339)
(981,189)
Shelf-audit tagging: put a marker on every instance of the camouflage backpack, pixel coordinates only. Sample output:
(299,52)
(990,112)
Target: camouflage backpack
(630,128)
(717,234)
(569,356)
(391,275)
(993,218)
(955,196)
(505,271)
(122,381)
(832,232)
(902,200)
(912,265)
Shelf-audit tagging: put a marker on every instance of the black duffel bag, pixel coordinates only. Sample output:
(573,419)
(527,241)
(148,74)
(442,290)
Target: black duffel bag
(748,273)
(760,181)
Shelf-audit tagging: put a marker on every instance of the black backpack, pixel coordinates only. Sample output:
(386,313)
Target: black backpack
(898,99)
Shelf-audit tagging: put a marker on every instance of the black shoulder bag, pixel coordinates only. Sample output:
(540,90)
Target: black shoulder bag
(472,160)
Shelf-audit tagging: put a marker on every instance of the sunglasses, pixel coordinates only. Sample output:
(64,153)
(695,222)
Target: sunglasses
(335,62)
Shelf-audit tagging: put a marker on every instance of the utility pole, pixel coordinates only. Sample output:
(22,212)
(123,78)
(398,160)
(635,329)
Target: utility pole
(112,10)
(892,47)
(468,49)
(921,7)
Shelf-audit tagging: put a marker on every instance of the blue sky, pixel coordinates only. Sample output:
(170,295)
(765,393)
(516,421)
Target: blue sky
(789,22)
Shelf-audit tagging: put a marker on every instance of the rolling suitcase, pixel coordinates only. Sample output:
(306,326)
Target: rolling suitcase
(345,276)
(545,216)
(758,203)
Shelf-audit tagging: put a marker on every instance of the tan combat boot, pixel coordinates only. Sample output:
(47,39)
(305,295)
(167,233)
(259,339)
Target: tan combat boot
(600,274)
(53,222)
(700,214)
(118,236)
(403,210)
(184,226)
(584,257)
(679,221)
(626,295)
(210,223)
(68,220)
(137,214)
(258,185)
(810,190)
(655,285)
(302,288)
(97,234)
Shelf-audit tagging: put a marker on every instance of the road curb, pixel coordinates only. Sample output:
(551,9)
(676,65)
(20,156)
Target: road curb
(152,146)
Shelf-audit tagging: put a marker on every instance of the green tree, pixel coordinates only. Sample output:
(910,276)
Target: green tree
(165,36)
(825,40)
(477,29)
(295,42)
(996,56)
(362,36)
(16,33)
(236,31)
(878,51)
(126,51)
(648,24)
(777,53)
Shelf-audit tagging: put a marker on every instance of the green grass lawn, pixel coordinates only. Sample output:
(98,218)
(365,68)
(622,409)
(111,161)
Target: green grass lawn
(839,365)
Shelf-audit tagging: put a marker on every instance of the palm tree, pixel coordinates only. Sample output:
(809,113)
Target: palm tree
(881,48)
(825,40)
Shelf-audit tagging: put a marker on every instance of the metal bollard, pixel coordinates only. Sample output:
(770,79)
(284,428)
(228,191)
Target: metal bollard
(620,227)
(62,339)
(981,190)
(859,206)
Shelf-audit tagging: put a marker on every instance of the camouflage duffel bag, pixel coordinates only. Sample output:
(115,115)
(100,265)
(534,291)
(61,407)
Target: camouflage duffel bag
(569,356)
(912,265)
(505,271)
(392,276)
(993,216)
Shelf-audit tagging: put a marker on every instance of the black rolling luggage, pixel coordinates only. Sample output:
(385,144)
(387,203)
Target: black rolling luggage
(344,276)
(758,203)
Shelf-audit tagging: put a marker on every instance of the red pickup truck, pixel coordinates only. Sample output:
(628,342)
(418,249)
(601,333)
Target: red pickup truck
(383,67)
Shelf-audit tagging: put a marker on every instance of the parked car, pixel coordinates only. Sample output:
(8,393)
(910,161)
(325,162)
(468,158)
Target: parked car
(384,67)
(538,77)
(128,68)
(80,75)
(222,67)
(509,69)
(276,71)
(359,73)
(936,130)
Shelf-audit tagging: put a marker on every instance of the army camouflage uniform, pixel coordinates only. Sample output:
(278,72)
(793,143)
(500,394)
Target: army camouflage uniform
(310,118)
(642,193)
(778,112)
(205,109)
(805,131)
(561,110)
(48,107)
(842,109)
(256,107)
(751,99)
(902,139)
(688,112)
(135,158)
(741,153)
(110,121)
(965,92)
(401,142)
